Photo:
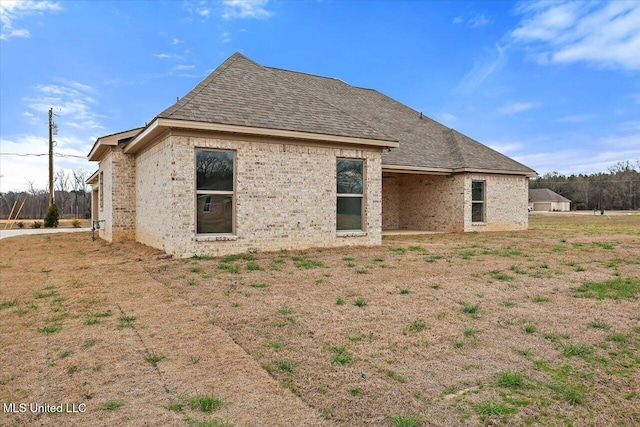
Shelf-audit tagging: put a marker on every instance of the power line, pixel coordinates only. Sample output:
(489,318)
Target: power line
(43,154)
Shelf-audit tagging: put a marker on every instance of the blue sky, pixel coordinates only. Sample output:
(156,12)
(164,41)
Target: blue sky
(555,85)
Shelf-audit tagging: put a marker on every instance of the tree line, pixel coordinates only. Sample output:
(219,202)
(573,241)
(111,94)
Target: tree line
(71,194)
(617,189)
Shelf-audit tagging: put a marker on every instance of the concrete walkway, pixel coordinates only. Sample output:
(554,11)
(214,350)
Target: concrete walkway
(24,231)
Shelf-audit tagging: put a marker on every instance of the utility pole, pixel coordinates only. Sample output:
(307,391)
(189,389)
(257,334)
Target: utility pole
(50,156)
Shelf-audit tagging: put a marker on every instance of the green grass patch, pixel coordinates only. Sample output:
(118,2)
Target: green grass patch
(360,302)
(498,275)
(409,420)
(509,379)
(398,250)
(154,358)
(341,356)
(205,402)
(599,324)
(617,288)
(395,376)
(259,285)
(493,408)
(307,264)
(417,325)
(113,404)
(470,308)
(285,310)
(286,365)
(579,350)
(9,303)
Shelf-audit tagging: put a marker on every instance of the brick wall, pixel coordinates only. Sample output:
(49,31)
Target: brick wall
(422,202)
(154,198)
(285,196)
(506,202)
(119,186)
(443,203)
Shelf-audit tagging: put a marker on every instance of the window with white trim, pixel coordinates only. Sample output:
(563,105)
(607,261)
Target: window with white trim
(350,186)
(215,192)
(478,202)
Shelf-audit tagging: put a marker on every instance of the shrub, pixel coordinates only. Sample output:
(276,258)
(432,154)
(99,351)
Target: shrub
(37,224)
(75,223)
(52,216)
(20,224)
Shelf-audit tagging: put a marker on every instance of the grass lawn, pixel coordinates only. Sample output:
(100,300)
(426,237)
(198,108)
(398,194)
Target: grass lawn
(540,327)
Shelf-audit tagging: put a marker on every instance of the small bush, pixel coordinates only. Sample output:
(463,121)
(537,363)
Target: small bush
(20,224)
(52,216)
(75,223)
(36,224)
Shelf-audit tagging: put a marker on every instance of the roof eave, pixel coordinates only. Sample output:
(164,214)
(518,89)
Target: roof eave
(103,143)
(93,178)
(159,124)
(527,173)
(417,170)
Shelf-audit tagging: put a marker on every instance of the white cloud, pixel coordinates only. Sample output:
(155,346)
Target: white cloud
(176,41)
(448,117)
(576,118)
(479,21)
(226,37)
(29,160)
(162,55)
(457,20)
(605,34)
(73,103)
(506,147)
(482,69)
(12,11)
(516,107)
(184,67)
(245,9)
(203,12)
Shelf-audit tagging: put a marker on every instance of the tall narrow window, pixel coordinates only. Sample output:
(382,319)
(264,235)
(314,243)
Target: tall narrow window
(477,201)
(214,191)
(101,189)
(350,194)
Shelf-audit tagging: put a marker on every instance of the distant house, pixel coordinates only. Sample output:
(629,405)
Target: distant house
(545,200)
(265,158)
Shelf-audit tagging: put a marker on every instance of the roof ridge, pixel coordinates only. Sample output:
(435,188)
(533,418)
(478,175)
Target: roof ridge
(366,124)
(455,147)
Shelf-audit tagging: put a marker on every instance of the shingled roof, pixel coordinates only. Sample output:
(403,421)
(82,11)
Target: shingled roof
(244,93)
(544,195)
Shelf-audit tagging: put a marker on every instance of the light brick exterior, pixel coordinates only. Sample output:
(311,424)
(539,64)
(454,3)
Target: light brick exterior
(422,202)
(285,196)
(443,203)
(118,172)
(506,202)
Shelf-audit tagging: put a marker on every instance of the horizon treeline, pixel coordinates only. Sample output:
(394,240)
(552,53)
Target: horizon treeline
(617,189)
(71,194)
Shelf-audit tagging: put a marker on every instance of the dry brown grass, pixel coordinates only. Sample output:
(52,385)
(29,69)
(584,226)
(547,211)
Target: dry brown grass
(454,329)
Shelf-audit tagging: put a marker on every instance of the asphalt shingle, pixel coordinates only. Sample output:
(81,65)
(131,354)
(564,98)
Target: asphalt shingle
(242,92)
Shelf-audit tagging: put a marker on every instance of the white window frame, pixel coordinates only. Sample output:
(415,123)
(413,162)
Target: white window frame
(353,195)
(482,202)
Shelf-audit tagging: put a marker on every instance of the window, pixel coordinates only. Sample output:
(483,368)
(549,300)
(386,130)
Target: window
(477,201)
(350,194)
(214,191)
(101,189)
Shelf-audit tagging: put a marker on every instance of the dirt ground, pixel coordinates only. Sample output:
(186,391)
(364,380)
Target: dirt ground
(540,327)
